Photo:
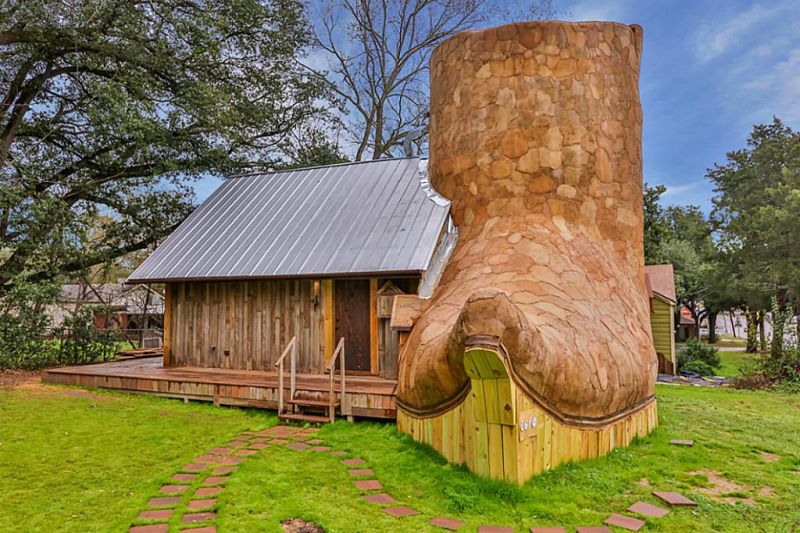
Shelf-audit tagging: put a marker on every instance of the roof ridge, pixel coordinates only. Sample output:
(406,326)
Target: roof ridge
(299,169)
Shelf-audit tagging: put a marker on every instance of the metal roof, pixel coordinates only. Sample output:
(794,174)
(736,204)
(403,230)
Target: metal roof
(341,220)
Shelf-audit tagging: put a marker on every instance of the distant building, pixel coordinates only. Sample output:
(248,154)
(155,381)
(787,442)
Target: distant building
(687,327)
(661,284)
(119,306)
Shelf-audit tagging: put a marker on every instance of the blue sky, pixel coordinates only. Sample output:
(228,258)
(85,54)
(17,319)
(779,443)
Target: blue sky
(710,70)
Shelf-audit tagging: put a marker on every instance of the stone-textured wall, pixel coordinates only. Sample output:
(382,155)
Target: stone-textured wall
(536,139)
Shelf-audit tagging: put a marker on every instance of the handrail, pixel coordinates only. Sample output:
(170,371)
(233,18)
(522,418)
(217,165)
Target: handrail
(332,371)
(291,347)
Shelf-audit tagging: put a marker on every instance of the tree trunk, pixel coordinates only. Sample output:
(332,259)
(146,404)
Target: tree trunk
(762,333)
(712,327)
(778,325)
(733,325)
(752,345)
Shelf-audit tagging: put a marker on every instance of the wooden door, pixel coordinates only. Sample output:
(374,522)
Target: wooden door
(351,299)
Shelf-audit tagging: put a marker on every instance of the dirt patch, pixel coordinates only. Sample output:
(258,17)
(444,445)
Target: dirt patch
(644,482)
(766,491)
(12,379)
(734,501)
(298,525)
(769,457)
(719,484)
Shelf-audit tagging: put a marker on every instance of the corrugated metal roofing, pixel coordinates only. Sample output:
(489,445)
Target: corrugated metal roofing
(358,218)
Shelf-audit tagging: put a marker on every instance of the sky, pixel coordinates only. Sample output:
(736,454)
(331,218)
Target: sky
(711,69)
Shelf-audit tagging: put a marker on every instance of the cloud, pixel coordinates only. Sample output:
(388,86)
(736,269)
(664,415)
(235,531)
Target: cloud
(715,40)
(613,10)
(778,88)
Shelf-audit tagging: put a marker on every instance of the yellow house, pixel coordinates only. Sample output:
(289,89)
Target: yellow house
(661,284)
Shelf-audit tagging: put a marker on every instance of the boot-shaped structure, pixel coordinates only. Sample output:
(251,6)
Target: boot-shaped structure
(536,347)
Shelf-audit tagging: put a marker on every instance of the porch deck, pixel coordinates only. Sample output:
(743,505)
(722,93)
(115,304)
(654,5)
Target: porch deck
(368,396)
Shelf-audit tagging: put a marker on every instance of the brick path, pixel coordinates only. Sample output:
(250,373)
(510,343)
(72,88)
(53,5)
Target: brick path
(191,499)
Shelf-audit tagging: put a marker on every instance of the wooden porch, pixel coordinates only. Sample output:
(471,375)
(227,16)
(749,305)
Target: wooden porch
(366,395)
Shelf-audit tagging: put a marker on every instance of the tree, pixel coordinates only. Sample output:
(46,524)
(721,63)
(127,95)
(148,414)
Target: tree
(111,107)
(375,56)
(656,226)
(757,210)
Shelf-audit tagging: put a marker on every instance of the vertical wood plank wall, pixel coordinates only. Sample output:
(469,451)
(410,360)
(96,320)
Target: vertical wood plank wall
(484,435)
(252,320)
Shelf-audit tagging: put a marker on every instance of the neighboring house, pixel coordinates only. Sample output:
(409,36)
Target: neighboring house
(118,306)
(661,284)
(687,327)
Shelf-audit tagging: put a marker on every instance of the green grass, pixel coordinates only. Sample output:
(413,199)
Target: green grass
(89,463)
(732,363)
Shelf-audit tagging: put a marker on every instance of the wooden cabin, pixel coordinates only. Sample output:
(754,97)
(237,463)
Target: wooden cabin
(295,272)
(661,285)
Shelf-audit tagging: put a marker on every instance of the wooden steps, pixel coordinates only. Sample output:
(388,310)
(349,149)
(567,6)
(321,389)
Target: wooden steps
(308,402)
(304,417)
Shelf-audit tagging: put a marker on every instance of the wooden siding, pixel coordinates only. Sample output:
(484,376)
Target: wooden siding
(245,325)
(484,431)
(662,324)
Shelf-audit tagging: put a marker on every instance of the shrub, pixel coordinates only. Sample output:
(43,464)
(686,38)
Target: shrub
(698,366)
(696,351)
(81,342)
(768,371)
(23,324)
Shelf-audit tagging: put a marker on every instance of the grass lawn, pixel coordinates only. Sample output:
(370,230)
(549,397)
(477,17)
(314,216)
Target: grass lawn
(74,461)
(732,362)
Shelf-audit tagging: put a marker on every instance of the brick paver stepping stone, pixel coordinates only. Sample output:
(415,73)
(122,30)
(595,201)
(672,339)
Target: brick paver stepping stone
(298,446)
(162,514)
(361,472)
(314,441)
(320,448)
(194,467)
(548,530)
(155,528)
(400,512)
(219,451)
(495,529)
(280,441)
(174,489)
(338,453)
(447,523)
(209,491)
(165,501)
(673,498)
(237,443)
(682,442)
(368,484)
(202,504)
(258,446)
(208,459)
(191,518)
(184,477)
(379,498)
(230,461)
(222,470)
(625,522)
(243,437)
(245,453)
(214,480)
(260,439)
(354,462)
(592,529)
(648,509)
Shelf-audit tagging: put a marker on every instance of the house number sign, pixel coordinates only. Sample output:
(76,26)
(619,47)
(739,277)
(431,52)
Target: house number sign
(527,424)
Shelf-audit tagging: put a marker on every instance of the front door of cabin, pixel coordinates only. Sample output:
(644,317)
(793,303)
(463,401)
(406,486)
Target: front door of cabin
(351,299)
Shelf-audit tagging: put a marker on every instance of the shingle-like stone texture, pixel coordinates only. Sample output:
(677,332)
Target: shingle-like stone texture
(535,137)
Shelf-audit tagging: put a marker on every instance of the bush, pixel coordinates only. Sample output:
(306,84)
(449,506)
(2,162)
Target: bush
(767,371)
(82,342)
(698,366)
(696,352)
(23,324)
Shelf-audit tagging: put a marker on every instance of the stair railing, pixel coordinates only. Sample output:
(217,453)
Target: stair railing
(290,348)
(331,372)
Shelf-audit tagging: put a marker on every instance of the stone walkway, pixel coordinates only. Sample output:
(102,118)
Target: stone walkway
(192,496)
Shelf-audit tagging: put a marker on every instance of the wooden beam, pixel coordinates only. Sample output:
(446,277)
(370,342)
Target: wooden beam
(167,342)
(373,326)
(328,317)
